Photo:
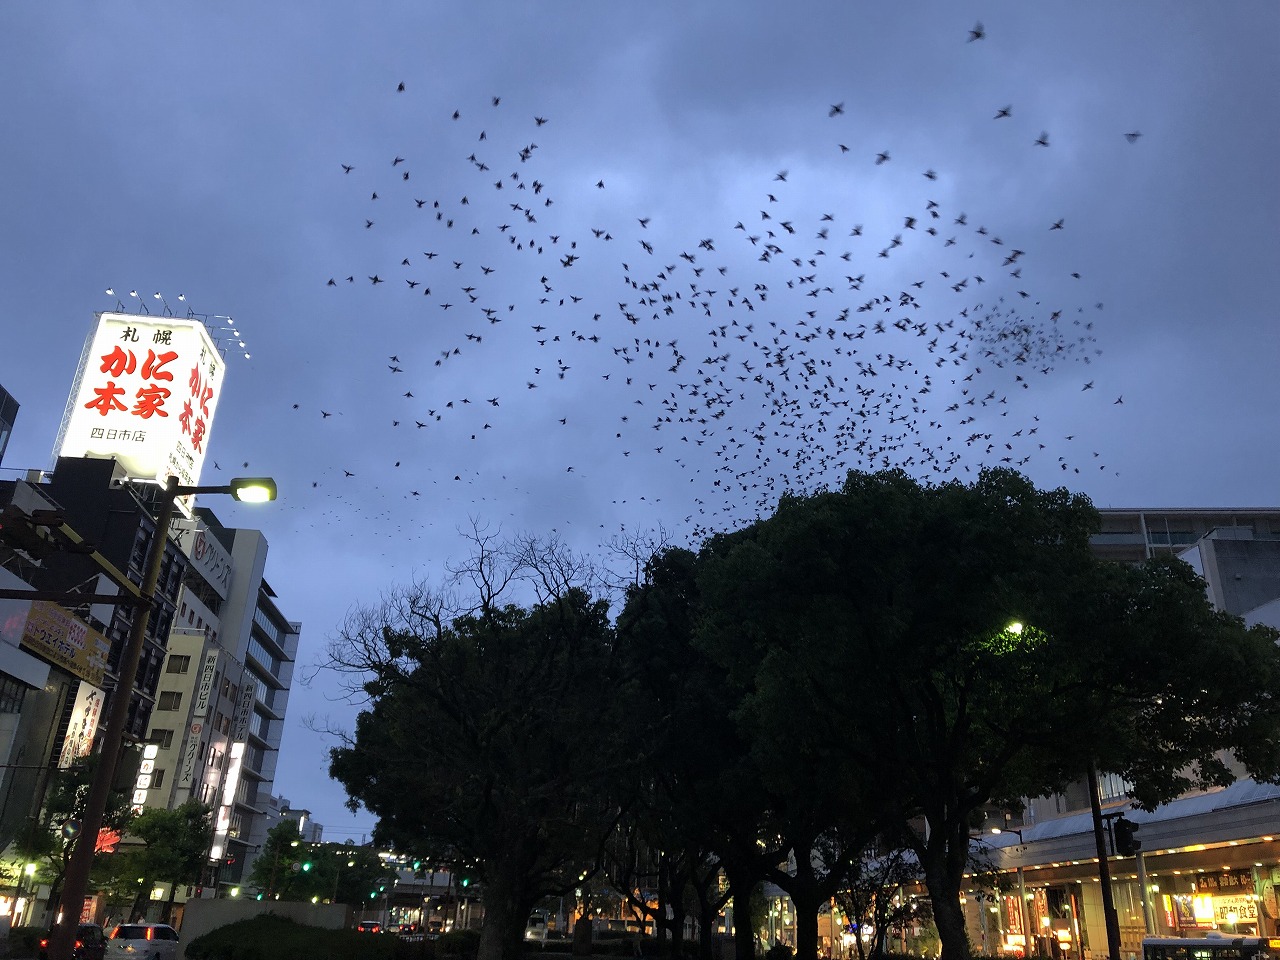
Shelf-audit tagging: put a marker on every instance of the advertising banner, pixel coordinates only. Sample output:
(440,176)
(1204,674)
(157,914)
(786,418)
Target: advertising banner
(83,725)
(59,637)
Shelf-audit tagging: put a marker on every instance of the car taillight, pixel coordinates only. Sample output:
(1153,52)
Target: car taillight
(44,943)
(79,944)
(150,931)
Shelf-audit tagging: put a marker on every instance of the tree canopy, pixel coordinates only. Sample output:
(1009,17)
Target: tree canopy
(873,665)
(491,734)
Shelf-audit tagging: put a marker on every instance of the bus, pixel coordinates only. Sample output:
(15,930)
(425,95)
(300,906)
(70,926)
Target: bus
(1212,947)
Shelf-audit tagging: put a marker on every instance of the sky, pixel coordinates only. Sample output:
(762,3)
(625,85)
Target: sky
(645,267)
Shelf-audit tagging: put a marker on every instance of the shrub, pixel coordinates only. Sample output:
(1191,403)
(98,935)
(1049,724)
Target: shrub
(459,943)
(271,937)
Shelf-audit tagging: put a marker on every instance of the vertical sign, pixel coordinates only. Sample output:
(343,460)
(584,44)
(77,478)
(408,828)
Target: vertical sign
(83,725)
(205,688)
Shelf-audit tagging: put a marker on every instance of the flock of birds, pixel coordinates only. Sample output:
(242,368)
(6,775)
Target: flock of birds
(767,356)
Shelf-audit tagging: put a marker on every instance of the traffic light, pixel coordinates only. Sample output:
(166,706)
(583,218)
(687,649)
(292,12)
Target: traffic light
(1127,843)
(306,867)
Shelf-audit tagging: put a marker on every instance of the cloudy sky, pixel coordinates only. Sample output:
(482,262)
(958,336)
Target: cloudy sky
(650,264)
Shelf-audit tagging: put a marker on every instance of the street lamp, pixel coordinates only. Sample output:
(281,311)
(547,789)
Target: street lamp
(76,879)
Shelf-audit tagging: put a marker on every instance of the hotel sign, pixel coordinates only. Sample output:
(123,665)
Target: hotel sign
(61,638)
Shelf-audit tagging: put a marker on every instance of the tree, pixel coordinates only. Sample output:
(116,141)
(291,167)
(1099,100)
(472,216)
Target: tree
(871,896)
(490,736)
(707,799)
(176,847)
(48,840)
(949,635)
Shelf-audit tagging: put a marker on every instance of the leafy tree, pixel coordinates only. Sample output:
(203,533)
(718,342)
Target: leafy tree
(707,801)
(490,737)
(44,842)
(870,896)
(332,872)
(176,847)
(948,636)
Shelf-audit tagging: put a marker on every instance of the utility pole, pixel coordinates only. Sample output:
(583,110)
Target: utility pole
(1104,868)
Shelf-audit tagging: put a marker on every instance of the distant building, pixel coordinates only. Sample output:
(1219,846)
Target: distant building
(1212,859)
(8,416)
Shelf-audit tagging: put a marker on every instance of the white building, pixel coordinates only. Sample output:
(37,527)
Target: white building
(223,692)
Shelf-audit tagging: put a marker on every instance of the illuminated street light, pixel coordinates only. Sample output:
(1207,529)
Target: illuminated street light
(76,879)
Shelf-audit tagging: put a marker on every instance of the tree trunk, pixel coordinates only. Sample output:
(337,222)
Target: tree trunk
(806,904)
(676,881)
(948,915)
(707,915)
(744,934)
(506,912)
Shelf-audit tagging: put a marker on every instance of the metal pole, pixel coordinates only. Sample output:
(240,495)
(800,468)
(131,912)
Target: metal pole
(76,880)
(1026,916)
(1148,916)
(1104,869)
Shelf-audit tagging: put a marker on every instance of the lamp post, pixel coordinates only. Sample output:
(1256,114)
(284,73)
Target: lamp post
(1022,892)
(76,879)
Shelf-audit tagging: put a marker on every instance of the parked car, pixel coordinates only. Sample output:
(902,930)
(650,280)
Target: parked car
(368,926)
(91,943)
(143,941)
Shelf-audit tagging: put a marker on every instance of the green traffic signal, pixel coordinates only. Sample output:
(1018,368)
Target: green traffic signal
(306,866)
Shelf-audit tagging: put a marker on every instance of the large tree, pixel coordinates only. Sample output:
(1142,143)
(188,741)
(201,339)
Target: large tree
(491,735)
(966,647)
(706,791)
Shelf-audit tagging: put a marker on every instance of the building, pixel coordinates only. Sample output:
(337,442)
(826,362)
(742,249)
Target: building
(8,416)
(1208,861)
(222,696)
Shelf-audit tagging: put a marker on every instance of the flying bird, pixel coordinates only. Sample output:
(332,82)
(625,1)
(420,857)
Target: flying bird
(977,33)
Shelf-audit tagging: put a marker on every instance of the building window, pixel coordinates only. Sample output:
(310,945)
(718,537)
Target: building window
(169,700)
(162,737)
(12,693)
(157,779)
(1113,787)
(178,663)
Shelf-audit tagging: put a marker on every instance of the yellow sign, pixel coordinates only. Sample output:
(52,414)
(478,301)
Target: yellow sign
(64,640)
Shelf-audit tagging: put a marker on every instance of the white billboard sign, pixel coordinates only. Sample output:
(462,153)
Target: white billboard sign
(83,725)
(145,395)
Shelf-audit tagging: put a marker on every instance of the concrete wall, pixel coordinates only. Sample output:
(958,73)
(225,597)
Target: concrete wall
(201,916)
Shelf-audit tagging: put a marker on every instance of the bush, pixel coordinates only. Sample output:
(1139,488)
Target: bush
(25,941)
(270,937)
(459,943)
